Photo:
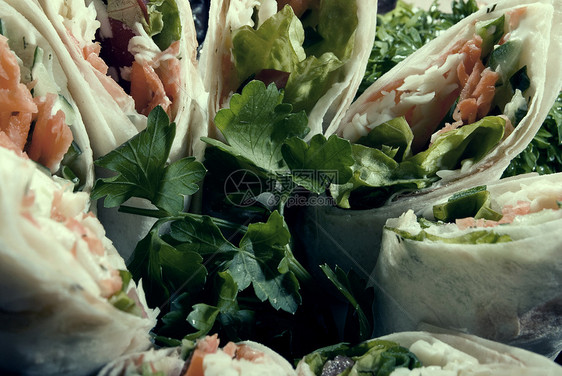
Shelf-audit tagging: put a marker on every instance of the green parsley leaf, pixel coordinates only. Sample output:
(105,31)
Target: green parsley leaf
(319,164)
(262,250)
(202,318)
(164,269)
(256,125)
(544,152)
(202,236)
(142,170)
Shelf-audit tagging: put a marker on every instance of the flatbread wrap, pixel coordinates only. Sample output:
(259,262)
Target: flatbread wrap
(315,50)
(39,117)
(203,357)
(425,353)
(68,305)
(405,159)
(133,56)
(493,269)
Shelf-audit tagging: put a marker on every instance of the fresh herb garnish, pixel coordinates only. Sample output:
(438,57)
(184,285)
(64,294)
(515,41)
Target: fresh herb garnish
(256,125)
(142,169)
(544,152)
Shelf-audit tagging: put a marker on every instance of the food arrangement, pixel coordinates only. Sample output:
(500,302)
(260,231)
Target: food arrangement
(290,180)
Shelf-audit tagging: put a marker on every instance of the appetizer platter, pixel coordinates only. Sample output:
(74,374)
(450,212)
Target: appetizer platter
(281,187)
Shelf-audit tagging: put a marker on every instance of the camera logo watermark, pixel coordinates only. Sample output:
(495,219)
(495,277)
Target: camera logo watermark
(245,188)
(242,188)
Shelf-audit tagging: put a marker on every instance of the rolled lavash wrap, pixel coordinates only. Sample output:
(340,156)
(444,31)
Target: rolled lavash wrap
(39,117)
(428,354)
(203,357)
(121,72)
(416,95)
(68,306)
(132,56)
(315,50)
(498,276)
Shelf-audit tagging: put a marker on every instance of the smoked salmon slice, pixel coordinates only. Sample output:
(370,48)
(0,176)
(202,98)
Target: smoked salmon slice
(51,137)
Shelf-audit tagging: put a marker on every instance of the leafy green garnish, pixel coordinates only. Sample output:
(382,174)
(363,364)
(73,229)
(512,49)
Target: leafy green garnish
(142,169)
(164,22)
(165,270)
(544,152)
(256,125)
(383,170)
(375,357)
(316,165)
(276,44)
(279,44)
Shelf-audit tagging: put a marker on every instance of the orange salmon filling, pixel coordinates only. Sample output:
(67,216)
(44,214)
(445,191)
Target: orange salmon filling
(50,138)
(210,345)
(154,83)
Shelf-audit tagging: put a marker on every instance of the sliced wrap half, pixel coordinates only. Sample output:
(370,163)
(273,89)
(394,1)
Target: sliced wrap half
(428,354)
(38,114)
(67,303)
(132,56)
(496,273)
(316,50)
(404,160)
(203,358)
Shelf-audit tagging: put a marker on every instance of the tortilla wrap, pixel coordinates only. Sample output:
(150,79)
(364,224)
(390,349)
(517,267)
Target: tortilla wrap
(44,86)
(506,289)
(461,354)
(176,361)
(111,115)
(222,80)
(61,280)
(329,228)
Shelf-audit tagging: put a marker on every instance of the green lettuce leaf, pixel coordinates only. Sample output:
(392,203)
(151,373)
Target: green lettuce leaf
(373,168)
(375,357)
(469,142)
(164,22)
(379,173)
(276,44)
(310,80)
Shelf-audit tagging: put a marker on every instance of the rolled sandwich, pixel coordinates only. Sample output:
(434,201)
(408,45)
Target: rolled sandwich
(450,116)
(67,303)
(38,115)
(132,56)
(203,358)
(315,50)
(428,354)
(485,261)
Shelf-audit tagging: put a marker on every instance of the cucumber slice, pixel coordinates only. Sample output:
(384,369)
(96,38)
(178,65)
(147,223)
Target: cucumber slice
(474,202)
(491,33)
(42,72)
(505,59)
(1,26)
